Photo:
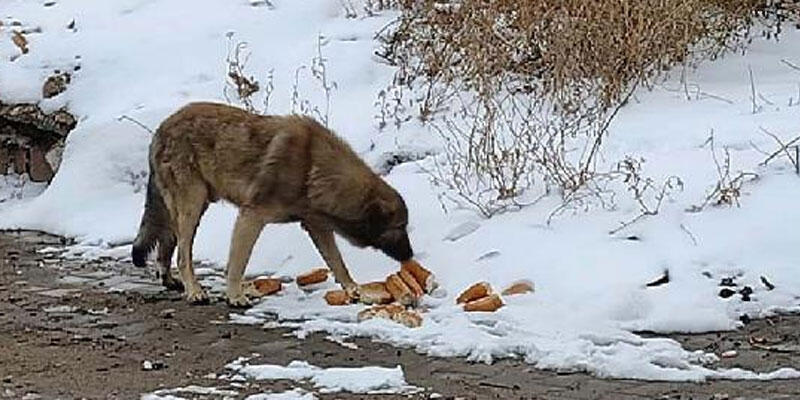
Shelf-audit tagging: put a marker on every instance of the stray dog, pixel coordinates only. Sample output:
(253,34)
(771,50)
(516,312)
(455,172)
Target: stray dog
(275,169)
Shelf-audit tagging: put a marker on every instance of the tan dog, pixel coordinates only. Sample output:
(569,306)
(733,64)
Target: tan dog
(276,169)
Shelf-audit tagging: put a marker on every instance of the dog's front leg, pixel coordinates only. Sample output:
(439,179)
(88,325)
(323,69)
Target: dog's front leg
(245,233)
(325,242)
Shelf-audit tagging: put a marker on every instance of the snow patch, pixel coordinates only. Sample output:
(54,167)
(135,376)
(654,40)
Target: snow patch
(329,380)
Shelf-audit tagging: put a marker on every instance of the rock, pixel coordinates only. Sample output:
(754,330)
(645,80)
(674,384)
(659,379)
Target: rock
(58,123)
(31,141)
(39,169)
(662,280)
(153,365)
(5,160)
(725,293)
(56,84)
(729,282)
(20,160)
(764,279)
(168,313)
(63,309)
(20,41)
(746,292)
(729,354)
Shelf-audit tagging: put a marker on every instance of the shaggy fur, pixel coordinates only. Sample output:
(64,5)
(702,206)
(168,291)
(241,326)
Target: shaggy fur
(276,169)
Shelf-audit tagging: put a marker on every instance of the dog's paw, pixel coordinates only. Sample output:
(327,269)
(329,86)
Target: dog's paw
(197,297)
(238,301)
(352,291)
(172,283)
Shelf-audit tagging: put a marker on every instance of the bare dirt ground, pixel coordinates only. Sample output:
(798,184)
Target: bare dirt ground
(76,329)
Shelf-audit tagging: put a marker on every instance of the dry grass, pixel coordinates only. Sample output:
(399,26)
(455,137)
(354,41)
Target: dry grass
(554,47)
(523,91)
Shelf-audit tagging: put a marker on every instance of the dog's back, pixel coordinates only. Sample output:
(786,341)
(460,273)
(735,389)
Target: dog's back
(249,159)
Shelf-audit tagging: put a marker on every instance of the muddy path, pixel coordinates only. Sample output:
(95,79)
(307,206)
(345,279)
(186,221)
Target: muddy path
(74,329)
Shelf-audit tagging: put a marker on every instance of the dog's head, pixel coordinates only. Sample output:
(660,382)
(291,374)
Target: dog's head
(382,224)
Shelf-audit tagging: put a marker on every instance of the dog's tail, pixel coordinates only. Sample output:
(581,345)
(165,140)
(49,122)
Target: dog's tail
(155,227)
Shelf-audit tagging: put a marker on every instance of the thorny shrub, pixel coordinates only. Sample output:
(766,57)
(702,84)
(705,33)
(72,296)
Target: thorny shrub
(524,91)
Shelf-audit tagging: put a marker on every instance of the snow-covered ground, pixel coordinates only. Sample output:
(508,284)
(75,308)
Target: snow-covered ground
(359,380)
(146,58)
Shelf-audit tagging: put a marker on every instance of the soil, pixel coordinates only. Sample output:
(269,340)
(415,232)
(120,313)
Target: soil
(117,317)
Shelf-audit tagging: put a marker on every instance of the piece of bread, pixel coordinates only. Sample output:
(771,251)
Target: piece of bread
(518,287)
(488,303)
(409,318)
(267,286)
(337,298)
(374,293)
(411,282)
(474,292)
(314,276)
(380,311)
(394,312)
(424,277)
(399,290)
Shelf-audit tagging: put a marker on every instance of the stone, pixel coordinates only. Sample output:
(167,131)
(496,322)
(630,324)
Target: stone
(59,292)
(20,160)
(56,84)
(39,170)
(5,160)
(74,280)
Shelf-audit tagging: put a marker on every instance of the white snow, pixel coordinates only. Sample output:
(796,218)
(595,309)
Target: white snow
(329,380)
(15,188)
(144,59)
(169,394)
(296,394)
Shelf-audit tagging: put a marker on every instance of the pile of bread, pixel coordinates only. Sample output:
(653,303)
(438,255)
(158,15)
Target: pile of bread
(396,297)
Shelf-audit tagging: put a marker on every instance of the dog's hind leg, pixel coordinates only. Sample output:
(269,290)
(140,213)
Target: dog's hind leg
(187,206)
(166,247)
(245,233)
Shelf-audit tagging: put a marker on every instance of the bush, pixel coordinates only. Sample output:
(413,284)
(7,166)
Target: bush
(532,85)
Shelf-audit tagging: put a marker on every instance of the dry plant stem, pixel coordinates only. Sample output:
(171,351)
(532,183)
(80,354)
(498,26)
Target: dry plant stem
(269,87)
(790,64)
(756,107)
(689,233)
(319,70)
(782,149)
(641,188)
(727,190)
(141,125)
(244,87)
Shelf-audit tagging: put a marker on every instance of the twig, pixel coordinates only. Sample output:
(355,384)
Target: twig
(717,97)
(141,125)
(753,98)
(783,149)
(790,64)
(689,233)
(727,190)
